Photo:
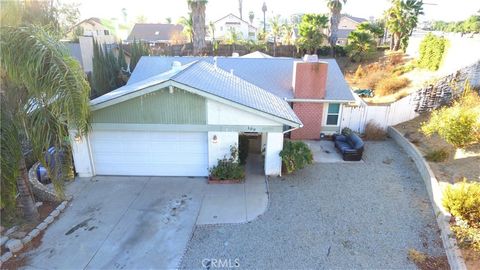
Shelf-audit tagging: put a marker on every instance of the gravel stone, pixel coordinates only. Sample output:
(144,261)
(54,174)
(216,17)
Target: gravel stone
(48,219)
(364,215)
(6,256)
(14,245)
(42,226)
(27,239)
(34,232)
(62,206)
(55,213)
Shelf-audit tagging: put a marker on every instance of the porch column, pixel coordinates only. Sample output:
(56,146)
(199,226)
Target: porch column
(273,162)
(81,154)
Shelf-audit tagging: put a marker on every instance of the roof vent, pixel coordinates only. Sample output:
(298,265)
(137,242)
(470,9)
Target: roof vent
(235,54)
(310,58)
(215,61)
(176,65)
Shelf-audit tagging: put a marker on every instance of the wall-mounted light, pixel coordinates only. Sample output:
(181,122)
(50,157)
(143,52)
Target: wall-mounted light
(77,138)
(214,139)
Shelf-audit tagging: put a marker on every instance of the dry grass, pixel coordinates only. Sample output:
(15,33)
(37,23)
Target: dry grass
(374,132)
(390,85)
(438,155)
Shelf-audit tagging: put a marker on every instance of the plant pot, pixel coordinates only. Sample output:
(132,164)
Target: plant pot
(212,180)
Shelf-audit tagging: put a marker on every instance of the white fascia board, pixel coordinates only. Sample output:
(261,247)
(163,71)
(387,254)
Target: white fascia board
(307,100)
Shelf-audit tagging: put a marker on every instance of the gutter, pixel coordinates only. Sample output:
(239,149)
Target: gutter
(317,100)
(292,129)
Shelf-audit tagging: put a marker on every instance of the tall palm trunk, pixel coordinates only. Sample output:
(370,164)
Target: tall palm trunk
(334,21)
(198,19)
(396,41)
(25,194)
(274,46)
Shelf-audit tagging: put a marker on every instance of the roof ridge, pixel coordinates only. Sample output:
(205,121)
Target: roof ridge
(188,66)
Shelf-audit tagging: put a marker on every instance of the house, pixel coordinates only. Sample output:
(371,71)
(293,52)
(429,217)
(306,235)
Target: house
(177,116)
(346,25)
(231,23)
(90,27)
(158,33)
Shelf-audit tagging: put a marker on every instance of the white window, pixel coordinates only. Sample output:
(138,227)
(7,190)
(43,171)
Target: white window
(333,114)
(157,33)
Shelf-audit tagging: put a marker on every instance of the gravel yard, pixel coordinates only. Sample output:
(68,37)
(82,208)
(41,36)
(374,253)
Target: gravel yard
(343,215)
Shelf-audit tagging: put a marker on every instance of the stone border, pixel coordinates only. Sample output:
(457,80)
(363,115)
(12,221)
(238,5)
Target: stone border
(15,245)
(39,190)
(454,255)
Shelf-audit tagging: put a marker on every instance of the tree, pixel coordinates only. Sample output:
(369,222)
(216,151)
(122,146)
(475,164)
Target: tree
(108,69)
(197,8)
(458,124)
(335,7)
(264,10)
(141,19)
(311,32)
(432,51)
(401,19)
(375,29)
(251,16)
(50,93)
(233,37)
(124,15)
(168,20)
(288,29)
(187,24)
(276,31)
(240,8)
(137,50)
(360,45)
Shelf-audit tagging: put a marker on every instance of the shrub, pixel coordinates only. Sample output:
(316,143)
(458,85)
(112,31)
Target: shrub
(459,124)
(462,200)
(374,132)
(438,155)
(243,144)
(467,236)
(228,168)
(346,131)
(432,51)
(359,73)
(391,85)
(372,79)
(295,155)
(360,46)
(395,59)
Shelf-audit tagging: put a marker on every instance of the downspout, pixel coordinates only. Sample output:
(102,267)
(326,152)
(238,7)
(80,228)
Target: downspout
(292,129)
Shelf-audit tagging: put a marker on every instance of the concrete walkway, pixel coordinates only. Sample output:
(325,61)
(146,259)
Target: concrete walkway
(236,203)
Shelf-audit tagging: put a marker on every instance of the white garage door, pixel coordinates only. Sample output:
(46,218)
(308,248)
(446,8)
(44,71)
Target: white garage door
(149,153)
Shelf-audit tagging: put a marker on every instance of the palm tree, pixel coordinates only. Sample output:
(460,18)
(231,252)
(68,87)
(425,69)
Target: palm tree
(50,94)
(276,31)
(264,10)
(401,19)
(197,8)
(360,45)
(288,29)
(240,8)
(251,16)
(335,7)
(187,24)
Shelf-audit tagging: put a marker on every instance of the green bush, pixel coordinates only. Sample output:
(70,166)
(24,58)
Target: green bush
(228,168)
(459,124)
(243,145)
(295,155)
(432,51)
(438,155)
(462,200)
(346,131)
(467,236)
(361,46)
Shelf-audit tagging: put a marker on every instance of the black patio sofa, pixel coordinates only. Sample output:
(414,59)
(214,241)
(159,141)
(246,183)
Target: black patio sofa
(351,146)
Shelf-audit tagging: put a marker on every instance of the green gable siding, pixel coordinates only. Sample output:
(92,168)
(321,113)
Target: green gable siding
(159,107)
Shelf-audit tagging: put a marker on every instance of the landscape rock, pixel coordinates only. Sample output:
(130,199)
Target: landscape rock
(3,240)
(48,220)
(55,213)
(11,230)
(34,232)
(27,239)
(6,256)
(38,204)
(42,226)
(14,245)
(18,235)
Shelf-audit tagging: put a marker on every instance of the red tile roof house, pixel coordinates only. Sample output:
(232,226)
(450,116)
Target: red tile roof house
(178,115)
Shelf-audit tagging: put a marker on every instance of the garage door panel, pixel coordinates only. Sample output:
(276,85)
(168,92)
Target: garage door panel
(149,153)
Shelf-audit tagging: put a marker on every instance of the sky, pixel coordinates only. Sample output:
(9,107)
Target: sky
(159,10)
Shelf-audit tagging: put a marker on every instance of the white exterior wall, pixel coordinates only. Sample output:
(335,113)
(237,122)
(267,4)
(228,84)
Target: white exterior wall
(221,114)
(221,148)
(223,25)
(81,155)
(273,162)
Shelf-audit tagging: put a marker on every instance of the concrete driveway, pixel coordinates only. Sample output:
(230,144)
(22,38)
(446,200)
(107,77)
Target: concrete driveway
(122,223)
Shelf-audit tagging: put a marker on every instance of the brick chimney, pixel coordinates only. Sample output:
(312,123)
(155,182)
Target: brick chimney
(309,83)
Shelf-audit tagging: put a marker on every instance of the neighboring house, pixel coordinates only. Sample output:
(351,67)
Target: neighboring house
(256,54)
(178,115)
(229,23)
(346,25)
(158,33)
(91,27)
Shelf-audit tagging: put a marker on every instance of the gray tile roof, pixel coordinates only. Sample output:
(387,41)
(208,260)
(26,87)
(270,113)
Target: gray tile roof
(343,33)
(356,19)
(146,32)
(271,74)
(219,83)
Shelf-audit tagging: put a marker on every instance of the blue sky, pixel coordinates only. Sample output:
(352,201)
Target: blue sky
(157,11)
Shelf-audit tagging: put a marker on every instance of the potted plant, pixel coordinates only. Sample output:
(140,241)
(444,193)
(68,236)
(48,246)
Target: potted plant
(228,170)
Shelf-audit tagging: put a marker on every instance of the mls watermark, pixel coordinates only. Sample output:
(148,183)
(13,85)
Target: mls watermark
(220,263)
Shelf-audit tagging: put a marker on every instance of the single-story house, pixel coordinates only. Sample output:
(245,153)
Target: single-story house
(178,115)
(157,33)
(346,25)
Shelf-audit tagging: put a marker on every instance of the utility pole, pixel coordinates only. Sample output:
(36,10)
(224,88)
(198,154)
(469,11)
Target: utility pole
(264,9)
(240,8)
